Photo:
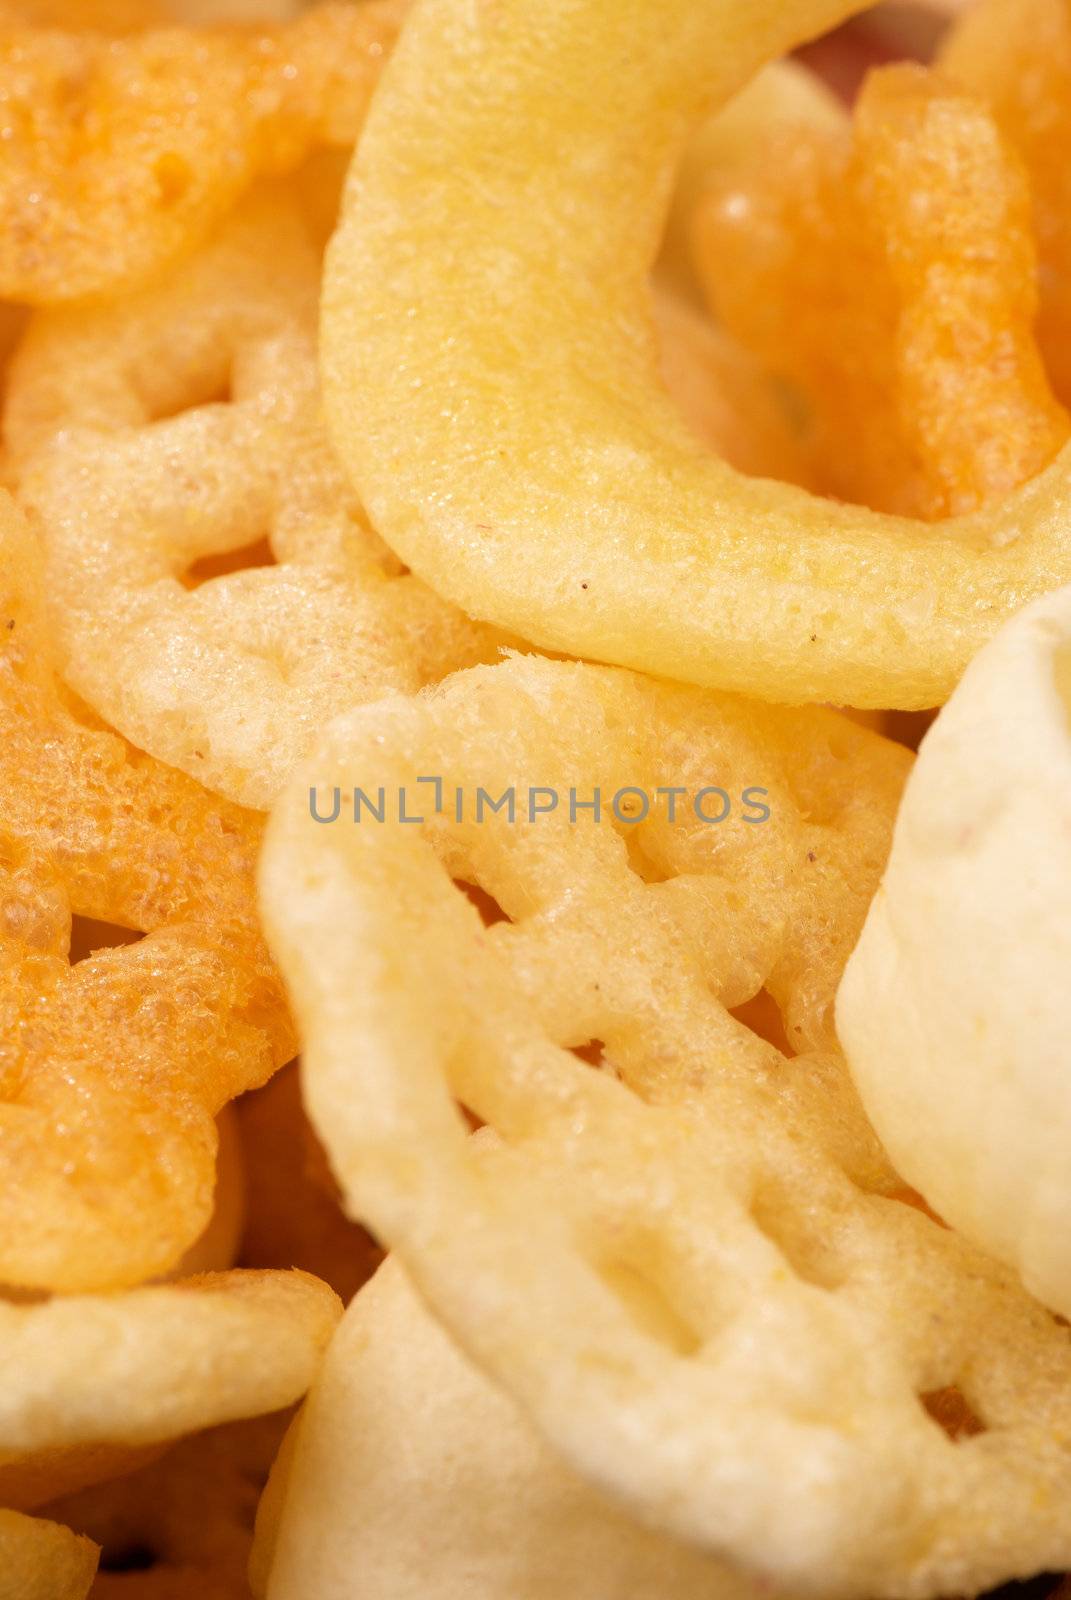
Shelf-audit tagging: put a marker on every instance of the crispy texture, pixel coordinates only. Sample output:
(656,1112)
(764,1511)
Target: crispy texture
(1016,54)
(118,155)
(149,491)
(294,1214)
(113,1069)
(42,1561)
(408,1467)
(537,474)
(655,1194)
(962,1062)
(891,277)
(183,1525)
(698,1246)
(94,1384)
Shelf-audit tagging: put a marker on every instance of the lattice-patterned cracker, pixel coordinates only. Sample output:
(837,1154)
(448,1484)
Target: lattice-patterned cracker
(166,436)
(113,1067)
(690,1262)
(119,154)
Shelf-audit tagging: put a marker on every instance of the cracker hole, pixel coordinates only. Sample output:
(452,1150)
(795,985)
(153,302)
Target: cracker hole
(1039,1587)
(473,1122)
(763,1016)
(222,564)
(165,396)
(642,864)
(950,1411)
(132,1557)
(649,1307)
(593,1055)
(88,936)
(907,1196)
(486,904)
(908,727)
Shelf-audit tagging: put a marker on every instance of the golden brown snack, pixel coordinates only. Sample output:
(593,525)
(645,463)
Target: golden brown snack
(113,1067)
(890,275)
(691,1265)
(94,1385)
(512,440)
(725,396)
(1016,54)
(118,155)
(218,593)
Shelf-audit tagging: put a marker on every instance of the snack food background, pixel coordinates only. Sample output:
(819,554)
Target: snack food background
(494,494)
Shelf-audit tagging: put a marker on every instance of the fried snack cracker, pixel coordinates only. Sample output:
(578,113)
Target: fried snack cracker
(294,1213)
(94,1384)
(119,154)
(953,1009)
(182,1526)
(41,1561)
(511,440)
(1016,54)
(407,1467)
(891,277)
(725,396)
(114,1067)
(217,652)
(692,1266)
(783,94)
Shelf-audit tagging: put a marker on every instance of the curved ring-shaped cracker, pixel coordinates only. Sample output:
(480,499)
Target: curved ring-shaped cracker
(510,438)
(92,1384)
